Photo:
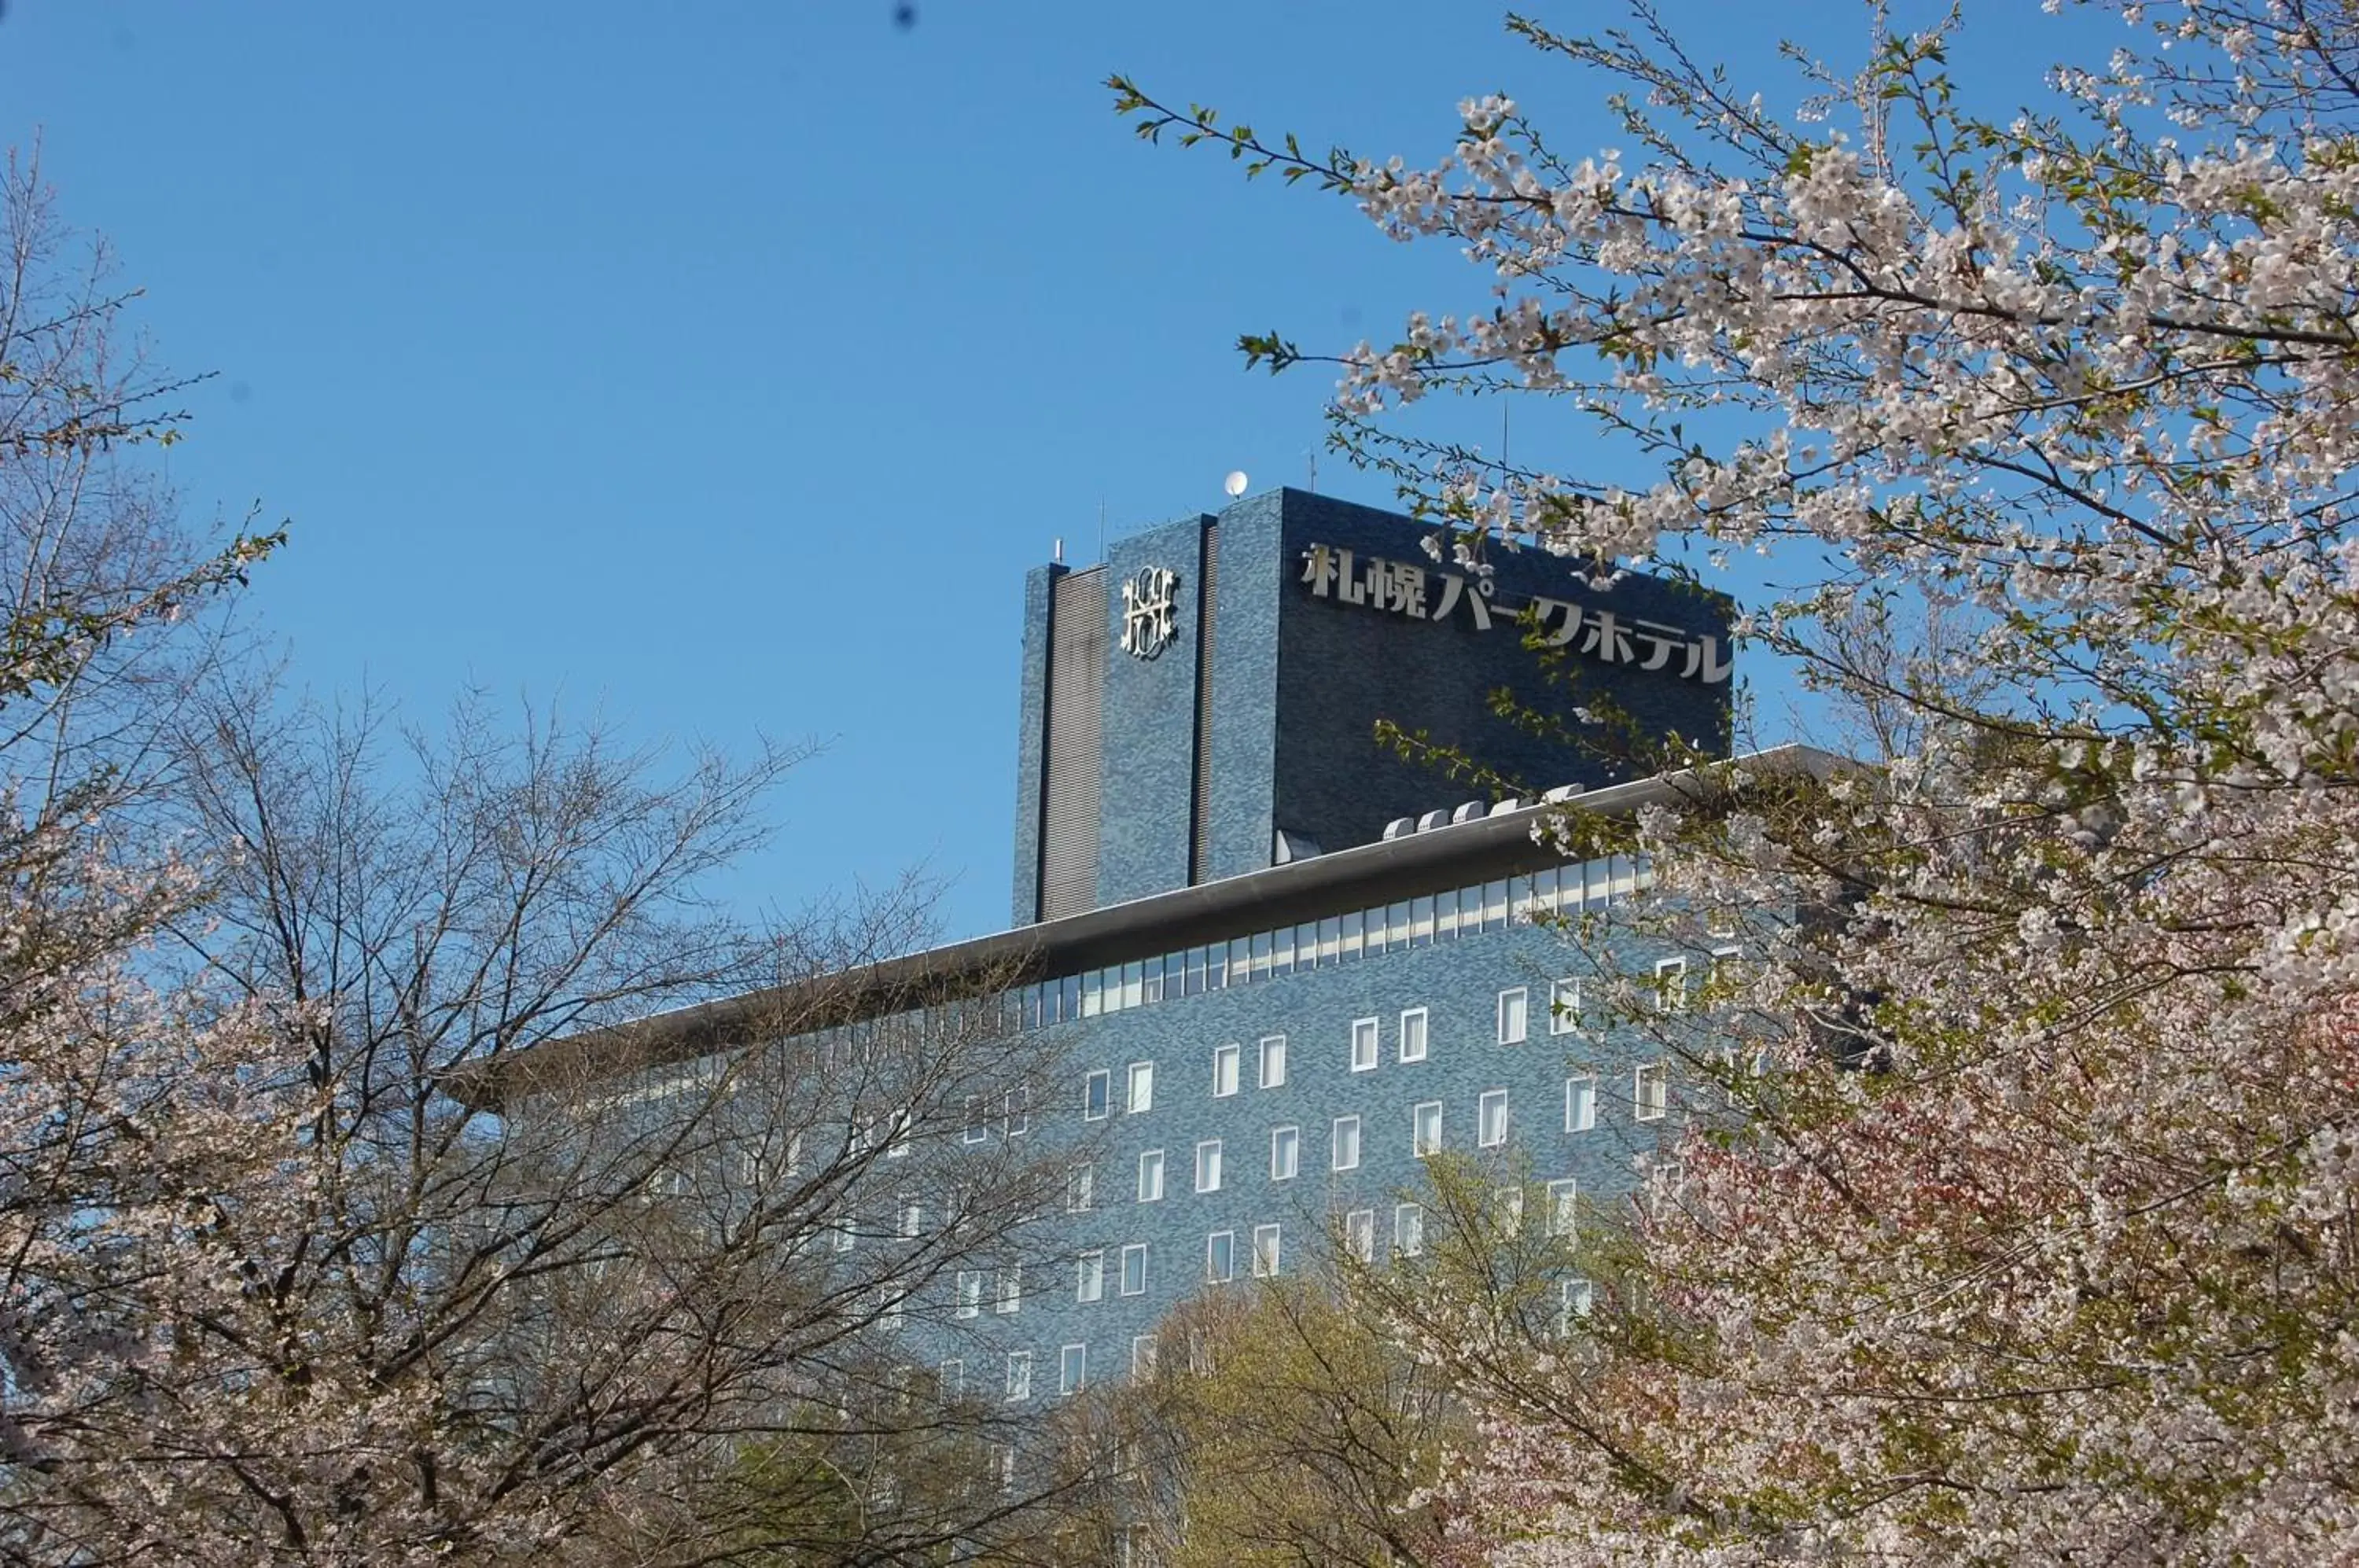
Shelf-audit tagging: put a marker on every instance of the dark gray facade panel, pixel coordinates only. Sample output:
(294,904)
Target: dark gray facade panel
(1069,818)
(1341,668)
(1199,830)
(1031,742)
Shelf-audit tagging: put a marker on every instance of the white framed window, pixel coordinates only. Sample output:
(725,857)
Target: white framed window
(950,1380)
(1133,1269)
(1662,1187)
(1017,1107)
(1019,1380)
(1208,1166)
(898,1130)
(1564,1006)
(1141,1096)
(969,1292)
(1491,1118)
(1360,1234)
(1515,1014)
(1264,1251)
(913,1215)
(840,1236)
(976,1128)
(1507,1210)
(1408,1229)
(1002,1455)
(1726,975)
(1671,986)
(1364,1044)
(1150,1176)
(1088,1277)
(1142,1355)
(1221,1256)
(1564,1208)
(1579,1299)
(1285,1153)
(1225,1069)
(889,1312)
(1347,1143)
(1719,924)
(1097,1093)
(1581,1102)
(1425,1129)
(1650,1094)
(1073,1368)
(1273,1060)
(1412,1035)
(1011,1289)
(1081,1188)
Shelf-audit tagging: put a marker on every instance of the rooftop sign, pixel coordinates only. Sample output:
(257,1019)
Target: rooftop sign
(1405,589)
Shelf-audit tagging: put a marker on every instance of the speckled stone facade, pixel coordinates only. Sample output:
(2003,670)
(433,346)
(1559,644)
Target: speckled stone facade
(1458,984)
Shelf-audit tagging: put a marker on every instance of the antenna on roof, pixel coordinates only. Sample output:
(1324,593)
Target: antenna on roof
(1101,530)
(1057,552)
(1313,455)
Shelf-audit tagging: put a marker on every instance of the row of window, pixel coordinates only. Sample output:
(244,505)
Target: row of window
(1576,1296)
(1268,1242)
(1338,939)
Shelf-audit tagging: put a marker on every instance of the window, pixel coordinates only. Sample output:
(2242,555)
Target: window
(1347,1143)
(1564,1006)
(1412,1035)
(1088,1277)
(889,1312)
(1150,1176)
(897,1135)
(1264,1251)
(1221,1255)
(975,1131)
(1651,1094)
(1285,1153)
(1019,1376)
(1011,1288)
(1579,1301)
(949,1382)
(1425,1129)
(1273,1060)
(1408,1229)
(1564,1208)
(913,1216)
(1142,1088)
(1491,1118)
(1133,1269)
(1514,1010)
(1359,1234)
(1017,1108)
(1508,1210)
(1363,1045)
(1671,986)
(1208,1166)
(1072,1368)
(969,1292)
(1142,1355)
(1081,1188)
(840,1236)
(1094,1098)
(1225,1069)
(1581,1103)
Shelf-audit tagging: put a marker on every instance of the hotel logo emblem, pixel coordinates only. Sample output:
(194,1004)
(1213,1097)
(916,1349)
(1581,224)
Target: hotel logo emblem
(1147,611)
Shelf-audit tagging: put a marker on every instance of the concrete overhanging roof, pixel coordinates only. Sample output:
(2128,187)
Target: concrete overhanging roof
(1368,875)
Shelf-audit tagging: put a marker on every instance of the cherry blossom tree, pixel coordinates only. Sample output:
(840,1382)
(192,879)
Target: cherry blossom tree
(2034,1241)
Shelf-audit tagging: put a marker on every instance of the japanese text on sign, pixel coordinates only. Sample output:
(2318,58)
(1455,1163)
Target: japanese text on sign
(1403,588)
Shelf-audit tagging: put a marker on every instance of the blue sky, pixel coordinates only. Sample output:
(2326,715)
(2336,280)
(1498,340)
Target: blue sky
(722,368)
